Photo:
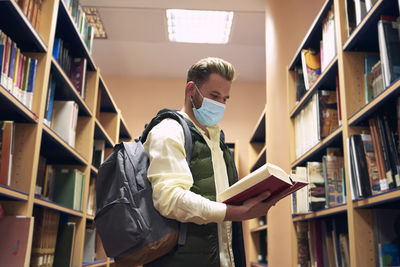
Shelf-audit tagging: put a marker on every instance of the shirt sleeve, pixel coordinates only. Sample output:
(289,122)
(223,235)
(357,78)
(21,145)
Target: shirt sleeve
(171,178)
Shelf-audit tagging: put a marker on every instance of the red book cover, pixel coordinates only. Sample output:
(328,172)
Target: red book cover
(78,75)
(16,238)
(269,177)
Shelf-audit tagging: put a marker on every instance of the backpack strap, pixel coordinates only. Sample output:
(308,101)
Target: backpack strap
(173,114)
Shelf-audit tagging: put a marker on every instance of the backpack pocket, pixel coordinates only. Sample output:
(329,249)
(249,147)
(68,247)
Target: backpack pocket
(122,227)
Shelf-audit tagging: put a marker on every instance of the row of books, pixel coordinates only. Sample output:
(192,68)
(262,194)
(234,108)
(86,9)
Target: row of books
(79,17)
(75,68)
(60,185)
(326,186)
(356,10)
(322,243)
(316,120)
(18,71)
(380,71)
(374,158)
(61,115)
(314,62)
(33,11)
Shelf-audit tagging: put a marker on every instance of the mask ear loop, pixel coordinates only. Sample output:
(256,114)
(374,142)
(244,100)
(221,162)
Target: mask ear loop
(191,99)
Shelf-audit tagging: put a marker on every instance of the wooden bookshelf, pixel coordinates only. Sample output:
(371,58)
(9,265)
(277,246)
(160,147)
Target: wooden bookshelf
(98,118)
(257,151)
(356,215)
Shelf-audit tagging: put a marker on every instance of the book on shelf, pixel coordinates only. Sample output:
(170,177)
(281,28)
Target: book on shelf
(98,152)
(372,166)
(303,255)
(361,10)
(307,126)
(44,236)
(64,120)
(49,100)
(68,188)
(369,4)
(393,149)
(91,205)
(65,244)
(328,42)
(383,182)
(388,254)
(300,198)
(40,177)
(89,253)
(369,77)
(333,166)
(268,177)
(311,65)
(360,168)
(299,81)
(7,129)
(389,49)
(391,173)
(78,75)
(328,112)
(351,16)
(377,79)
(317,199)
(16,237)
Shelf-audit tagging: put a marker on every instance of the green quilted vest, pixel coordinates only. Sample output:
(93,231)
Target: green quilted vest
(201,246)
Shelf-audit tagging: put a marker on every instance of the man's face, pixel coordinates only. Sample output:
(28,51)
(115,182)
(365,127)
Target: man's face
(216,88)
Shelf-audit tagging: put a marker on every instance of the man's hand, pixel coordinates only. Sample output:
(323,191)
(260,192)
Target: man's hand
(252,208)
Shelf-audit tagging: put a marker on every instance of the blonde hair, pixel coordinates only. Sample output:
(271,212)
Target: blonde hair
(201,70)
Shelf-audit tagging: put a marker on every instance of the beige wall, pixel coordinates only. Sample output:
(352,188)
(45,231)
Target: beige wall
(287,22)
(139,99)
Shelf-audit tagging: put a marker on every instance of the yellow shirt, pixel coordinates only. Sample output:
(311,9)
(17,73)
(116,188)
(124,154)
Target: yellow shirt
(171,180)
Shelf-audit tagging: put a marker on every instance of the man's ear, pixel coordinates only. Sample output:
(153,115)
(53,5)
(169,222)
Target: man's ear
(190,88)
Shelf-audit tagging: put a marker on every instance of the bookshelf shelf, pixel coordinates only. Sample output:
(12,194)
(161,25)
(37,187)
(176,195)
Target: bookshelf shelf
(260,228)
(107,103)
(57,151)
(260,160)
(66,91)
(375,104)
(96,263)
(322,213)
(259,131)
(49,204)
(67,31)
(10,193)
(9,105)
(332,139)
(124,131)
(14,22)
(391,196)
(100,133)
(93,170)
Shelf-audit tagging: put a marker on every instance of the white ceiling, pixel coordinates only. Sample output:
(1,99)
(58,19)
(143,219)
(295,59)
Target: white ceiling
(138,45)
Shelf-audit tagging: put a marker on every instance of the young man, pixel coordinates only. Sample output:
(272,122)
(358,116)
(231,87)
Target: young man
(189,193)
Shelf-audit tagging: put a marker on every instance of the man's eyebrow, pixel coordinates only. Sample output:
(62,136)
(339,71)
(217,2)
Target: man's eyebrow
(218,93)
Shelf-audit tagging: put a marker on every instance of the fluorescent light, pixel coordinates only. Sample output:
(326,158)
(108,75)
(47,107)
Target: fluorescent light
(199,26)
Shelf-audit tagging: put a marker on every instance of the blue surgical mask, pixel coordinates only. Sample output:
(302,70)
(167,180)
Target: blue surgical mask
(210,113)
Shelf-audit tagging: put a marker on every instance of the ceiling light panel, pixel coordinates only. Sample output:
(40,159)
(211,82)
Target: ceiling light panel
(199,26)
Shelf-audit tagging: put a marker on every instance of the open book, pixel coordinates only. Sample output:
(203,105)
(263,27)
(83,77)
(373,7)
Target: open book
(268,177)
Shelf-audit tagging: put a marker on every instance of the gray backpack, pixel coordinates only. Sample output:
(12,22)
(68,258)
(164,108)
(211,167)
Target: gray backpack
(130,228)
